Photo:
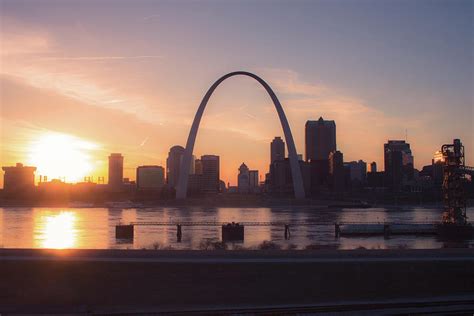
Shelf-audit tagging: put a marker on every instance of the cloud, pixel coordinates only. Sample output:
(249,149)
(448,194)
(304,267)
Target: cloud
(151,17)
(28,54)
(361,128)
(102,58)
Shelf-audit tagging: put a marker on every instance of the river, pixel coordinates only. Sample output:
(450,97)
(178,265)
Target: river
(94,228)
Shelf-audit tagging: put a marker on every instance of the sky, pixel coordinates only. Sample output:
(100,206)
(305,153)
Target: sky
(82,79)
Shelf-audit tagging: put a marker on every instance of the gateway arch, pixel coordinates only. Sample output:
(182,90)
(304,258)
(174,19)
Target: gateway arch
(298,187)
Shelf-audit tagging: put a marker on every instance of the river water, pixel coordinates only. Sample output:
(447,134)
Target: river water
(94,228)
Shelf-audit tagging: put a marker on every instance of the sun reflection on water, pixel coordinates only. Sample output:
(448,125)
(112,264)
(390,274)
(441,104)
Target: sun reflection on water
(58,231)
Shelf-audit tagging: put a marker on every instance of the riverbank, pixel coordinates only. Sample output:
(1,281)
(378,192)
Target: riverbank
(219,201)
(139,280)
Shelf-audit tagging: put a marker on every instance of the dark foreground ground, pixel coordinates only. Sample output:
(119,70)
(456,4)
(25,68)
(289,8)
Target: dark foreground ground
(81,281)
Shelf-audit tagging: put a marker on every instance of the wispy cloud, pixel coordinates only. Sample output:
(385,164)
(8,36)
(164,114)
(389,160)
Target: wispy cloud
(361,128)
(151,17)
(102,58)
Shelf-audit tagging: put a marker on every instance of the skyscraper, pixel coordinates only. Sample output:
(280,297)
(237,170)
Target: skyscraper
(277,149)
(197,166)
(210,173)
(357,171)
(115,172)
(320,139)
(336,171)
(150,177)
(253,180)
(173,165)
(398,163)
(243,181)
(373,166)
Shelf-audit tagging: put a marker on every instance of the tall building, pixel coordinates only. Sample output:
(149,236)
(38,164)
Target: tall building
(210,173)
(197,166)
(336,171)
(277,149)
(173,165)
(320,139)
(373,166)
(243,179)
(280,180)
(357,171)
(398,163)
(18,179)
(150,177)
(253,180)
(116,172)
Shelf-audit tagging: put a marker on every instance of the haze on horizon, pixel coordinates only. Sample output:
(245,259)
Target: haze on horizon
(127,76)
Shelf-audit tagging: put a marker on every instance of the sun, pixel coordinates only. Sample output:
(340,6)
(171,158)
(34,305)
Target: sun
(61,156)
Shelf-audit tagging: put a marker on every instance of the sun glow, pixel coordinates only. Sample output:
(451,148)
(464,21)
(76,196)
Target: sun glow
(61,156)
(59,231)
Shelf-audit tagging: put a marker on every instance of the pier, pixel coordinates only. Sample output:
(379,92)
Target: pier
(341,229)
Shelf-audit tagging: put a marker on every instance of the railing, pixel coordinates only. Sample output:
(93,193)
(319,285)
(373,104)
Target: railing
(278,223)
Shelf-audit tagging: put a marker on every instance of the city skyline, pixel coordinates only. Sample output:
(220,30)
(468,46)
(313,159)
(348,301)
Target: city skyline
(71,92)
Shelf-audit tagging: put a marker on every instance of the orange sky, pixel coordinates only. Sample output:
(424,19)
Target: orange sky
(130,82)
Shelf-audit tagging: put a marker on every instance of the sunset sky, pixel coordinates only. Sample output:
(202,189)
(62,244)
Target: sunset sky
(82,79)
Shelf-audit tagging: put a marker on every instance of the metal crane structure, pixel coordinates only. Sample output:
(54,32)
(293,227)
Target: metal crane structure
(454,172)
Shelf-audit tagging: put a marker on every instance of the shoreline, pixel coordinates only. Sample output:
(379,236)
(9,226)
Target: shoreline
(317,204)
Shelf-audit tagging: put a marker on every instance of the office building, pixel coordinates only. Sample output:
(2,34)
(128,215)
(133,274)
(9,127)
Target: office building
(280,181)
(277,149)
(210,173)
(373,166)
(173,165)
(336,171)
(398,163)
(18,179)
(115,172)
(320,139)
(243,179)
(197,166)
(253,181)
(150,177)
(357,171)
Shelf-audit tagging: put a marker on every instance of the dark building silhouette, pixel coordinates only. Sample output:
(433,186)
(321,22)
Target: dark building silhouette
(195,183)
(253,181)
(277,149)
(197,166)
(173,165)
(319,171)
(373,166)
(243,182)
(18,179)
(336,171)
(376,179)
(357,172)
(320,139)
(116,172)
(247,180)
(210,173)
(150,177)
(398,162)
(281,181)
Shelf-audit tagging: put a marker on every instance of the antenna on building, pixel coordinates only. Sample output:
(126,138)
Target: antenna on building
(406,134)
